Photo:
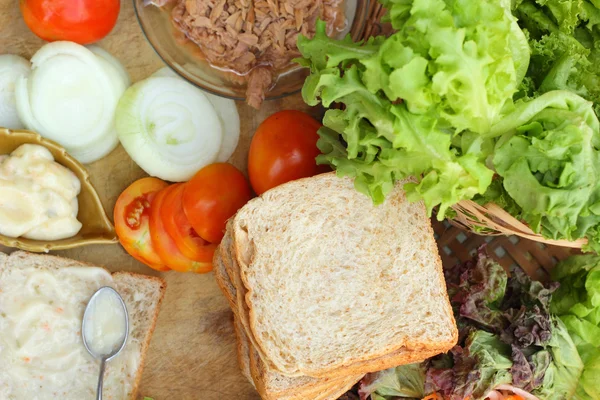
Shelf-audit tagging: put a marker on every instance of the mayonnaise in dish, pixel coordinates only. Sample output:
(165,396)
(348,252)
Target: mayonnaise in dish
(38,196)
(105,324)
(42,355)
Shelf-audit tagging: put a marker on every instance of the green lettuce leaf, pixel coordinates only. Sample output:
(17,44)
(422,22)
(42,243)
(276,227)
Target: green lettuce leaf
(563,36)
(482,364)
(403,381)
(577,303)
(547,159)
(456,54)
(588,387)
(562,376)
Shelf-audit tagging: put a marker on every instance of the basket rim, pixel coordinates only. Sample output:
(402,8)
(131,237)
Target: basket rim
(472,215)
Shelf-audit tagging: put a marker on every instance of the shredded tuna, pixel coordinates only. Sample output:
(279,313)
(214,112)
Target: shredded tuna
(255,39)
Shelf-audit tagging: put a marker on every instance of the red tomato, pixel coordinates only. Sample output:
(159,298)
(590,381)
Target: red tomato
(165,246)
(131,215)
(213,195)
(181,231)
(80,21)
(284,149)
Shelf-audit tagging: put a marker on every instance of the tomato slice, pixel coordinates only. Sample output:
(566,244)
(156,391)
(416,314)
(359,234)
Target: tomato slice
(132,214)
(163,243)
(213,196)
(180,229)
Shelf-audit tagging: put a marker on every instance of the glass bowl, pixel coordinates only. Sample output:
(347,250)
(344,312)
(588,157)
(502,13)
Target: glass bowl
(185,58)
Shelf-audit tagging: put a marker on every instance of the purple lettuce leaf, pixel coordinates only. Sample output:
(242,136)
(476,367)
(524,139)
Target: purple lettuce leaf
(477,290)
(528,372)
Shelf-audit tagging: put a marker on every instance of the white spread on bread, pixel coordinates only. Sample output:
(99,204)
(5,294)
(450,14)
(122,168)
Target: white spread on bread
(38,196)
(42,355)
(105,323)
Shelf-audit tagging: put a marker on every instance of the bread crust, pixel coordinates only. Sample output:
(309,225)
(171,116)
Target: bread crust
(224,248)
(339,392)
(243,352)
(220,278)
(242,306)
(52,261)
(146,343)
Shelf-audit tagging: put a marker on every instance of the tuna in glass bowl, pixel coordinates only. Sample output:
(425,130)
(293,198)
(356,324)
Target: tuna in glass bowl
(242,49)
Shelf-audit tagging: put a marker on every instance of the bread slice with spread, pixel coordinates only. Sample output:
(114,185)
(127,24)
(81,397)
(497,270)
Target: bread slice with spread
(42,301)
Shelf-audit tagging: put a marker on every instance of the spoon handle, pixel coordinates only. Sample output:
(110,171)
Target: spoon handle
(100,380)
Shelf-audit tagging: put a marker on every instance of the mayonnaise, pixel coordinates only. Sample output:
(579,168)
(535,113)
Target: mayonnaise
(105,323)
(38,196)
(42,355)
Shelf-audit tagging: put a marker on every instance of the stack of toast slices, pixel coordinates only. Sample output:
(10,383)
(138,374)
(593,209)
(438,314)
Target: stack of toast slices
(325,287)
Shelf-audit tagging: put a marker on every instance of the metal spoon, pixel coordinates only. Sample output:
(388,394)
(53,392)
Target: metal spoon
(118,346)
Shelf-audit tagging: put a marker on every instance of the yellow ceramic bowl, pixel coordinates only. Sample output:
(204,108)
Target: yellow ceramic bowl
(96,229)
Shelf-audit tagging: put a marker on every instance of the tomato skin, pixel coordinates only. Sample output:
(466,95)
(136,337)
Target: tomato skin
(284,149)
(165,246)
(80,21)
(213,196)
(180,229)
(131,216)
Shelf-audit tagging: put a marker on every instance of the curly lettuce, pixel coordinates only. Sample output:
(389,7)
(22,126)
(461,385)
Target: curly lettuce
(417,103)
(563,36)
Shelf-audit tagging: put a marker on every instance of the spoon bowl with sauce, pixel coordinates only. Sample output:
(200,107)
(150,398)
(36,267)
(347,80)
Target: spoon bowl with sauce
(105,328)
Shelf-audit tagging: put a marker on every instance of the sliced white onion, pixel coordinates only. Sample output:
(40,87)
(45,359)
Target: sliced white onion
(228,115)
(70,97)
(98,150)
(168,127)
(114,63)
(230,122)
(11,69)
(120,78)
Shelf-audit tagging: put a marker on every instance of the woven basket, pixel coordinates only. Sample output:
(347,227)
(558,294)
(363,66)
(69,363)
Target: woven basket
(536,258)
(488,220)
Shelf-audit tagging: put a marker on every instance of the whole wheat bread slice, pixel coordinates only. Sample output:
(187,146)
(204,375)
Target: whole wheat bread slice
(399,357)
(142,295)
(336,285)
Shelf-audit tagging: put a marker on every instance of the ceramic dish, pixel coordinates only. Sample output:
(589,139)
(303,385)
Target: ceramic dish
(186,59)
(96,229)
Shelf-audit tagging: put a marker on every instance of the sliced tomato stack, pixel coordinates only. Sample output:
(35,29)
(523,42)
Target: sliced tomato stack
(179,226)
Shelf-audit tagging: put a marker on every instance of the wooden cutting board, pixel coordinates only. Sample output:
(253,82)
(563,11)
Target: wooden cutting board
(192,355)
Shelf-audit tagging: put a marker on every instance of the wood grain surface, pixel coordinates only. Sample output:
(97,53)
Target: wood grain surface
(192,354)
